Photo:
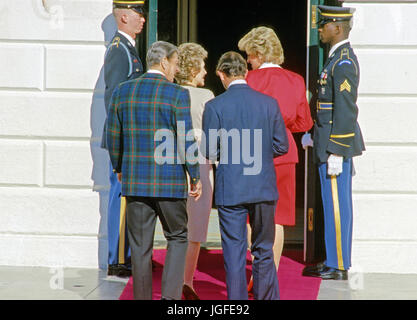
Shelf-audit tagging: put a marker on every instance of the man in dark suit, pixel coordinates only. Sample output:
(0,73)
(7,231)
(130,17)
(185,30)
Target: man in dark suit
(148,125)
(337,139)
(121,63)
(244,130)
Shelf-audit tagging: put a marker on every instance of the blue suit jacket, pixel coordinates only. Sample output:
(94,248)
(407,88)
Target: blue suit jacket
(252,133)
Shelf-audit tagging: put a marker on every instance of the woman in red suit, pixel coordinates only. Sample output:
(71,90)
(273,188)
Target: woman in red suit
(265,55)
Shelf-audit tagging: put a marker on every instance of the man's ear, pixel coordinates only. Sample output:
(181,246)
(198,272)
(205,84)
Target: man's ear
(164,63)
(338,29)
(124,18)
(221,75)
(246,74)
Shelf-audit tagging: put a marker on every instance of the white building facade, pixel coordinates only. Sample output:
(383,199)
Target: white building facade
(53,174)
(384,38)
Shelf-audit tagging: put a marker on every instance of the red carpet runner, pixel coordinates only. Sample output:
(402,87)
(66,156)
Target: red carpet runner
(209,279)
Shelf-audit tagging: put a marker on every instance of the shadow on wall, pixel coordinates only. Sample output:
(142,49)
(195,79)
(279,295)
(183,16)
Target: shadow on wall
(100,173)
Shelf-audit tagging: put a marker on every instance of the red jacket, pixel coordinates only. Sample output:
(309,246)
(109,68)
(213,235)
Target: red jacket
(289,90)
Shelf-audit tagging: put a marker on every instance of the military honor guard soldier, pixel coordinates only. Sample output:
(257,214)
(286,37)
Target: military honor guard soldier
(337,139)
(121,63)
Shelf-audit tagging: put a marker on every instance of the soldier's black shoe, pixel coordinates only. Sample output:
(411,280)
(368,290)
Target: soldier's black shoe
(315,268)
(328,273)
(119,270)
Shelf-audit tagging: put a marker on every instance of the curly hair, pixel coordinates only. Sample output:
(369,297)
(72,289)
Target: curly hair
(264,43)
(190,56)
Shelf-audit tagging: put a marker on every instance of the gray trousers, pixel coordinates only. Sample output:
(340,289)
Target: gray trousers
(141,220)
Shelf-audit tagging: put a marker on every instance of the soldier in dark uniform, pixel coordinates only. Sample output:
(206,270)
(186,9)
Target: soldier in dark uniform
(337,139)
(121,63)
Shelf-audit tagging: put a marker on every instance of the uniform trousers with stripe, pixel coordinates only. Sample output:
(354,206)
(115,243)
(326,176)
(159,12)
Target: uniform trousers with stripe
(234,243)
(336,194)
(119,250)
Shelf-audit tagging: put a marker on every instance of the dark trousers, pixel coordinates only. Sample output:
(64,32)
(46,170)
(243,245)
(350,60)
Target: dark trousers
(141,221)
(234,243)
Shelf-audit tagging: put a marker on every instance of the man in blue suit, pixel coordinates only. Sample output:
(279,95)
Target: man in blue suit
(244,131)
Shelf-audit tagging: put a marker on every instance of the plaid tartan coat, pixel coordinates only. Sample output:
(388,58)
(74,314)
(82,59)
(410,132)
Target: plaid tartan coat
(148,120)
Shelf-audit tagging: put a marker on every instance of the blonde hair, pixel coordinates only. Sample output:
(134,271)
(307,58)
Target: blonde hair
(264,43)
(190,56)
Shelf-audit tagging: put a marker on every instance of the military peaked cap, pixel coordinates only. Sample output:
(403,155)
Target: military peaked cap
(333,14)
(137,5)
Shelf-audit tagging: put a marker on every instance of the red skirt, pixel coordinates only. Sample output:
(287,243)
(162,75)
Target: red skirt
(285,209)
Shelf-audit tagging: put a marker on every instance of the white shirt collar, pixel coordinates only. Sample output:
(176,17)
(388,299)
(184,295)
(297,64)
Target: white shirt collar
(155,71)
(238,81)
(337,45)
(131,40)
(269,65)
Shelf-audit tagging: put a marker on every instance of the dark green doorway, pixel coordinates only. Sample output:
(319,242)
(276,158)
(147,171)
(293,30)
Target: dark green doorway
(220,26)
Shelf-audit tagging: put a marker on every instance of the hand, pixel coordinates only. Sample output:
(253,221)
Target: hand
(196,190)
(119,177)
(306,141)
(334,165)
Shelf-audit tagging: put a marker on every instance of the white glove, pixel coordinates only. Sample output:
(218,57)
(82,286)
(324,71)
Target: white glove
(334,165)
(306,141)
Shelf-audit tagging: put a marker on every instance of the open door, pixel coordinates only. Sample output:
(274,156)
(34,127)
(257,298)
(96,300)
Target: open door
(220,26)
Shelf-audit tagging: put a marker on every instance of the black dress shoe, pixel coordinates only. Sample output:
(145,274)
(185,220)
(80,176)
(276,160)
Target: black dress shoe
(315,268)
(328,273)
(119,270)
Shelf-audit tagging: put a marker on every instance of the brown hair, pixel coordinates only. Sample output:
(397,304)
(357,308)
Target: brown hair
(232,64)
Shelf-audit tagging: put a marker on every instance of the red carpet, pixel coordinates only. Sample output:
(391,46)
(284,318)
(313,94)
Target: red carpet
(209,279)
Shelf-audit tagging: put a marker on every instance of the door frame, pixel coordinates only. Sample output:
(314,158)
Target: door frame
(152,23)
(313,213)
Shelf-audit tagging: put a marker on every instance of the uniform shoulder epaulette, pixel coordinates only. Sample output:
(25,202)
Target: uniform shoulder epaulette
(345,59)
(116,41)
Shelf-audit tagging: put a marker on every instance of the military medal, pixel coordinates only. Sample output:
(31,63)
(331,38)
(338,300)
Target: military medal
(323,78)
